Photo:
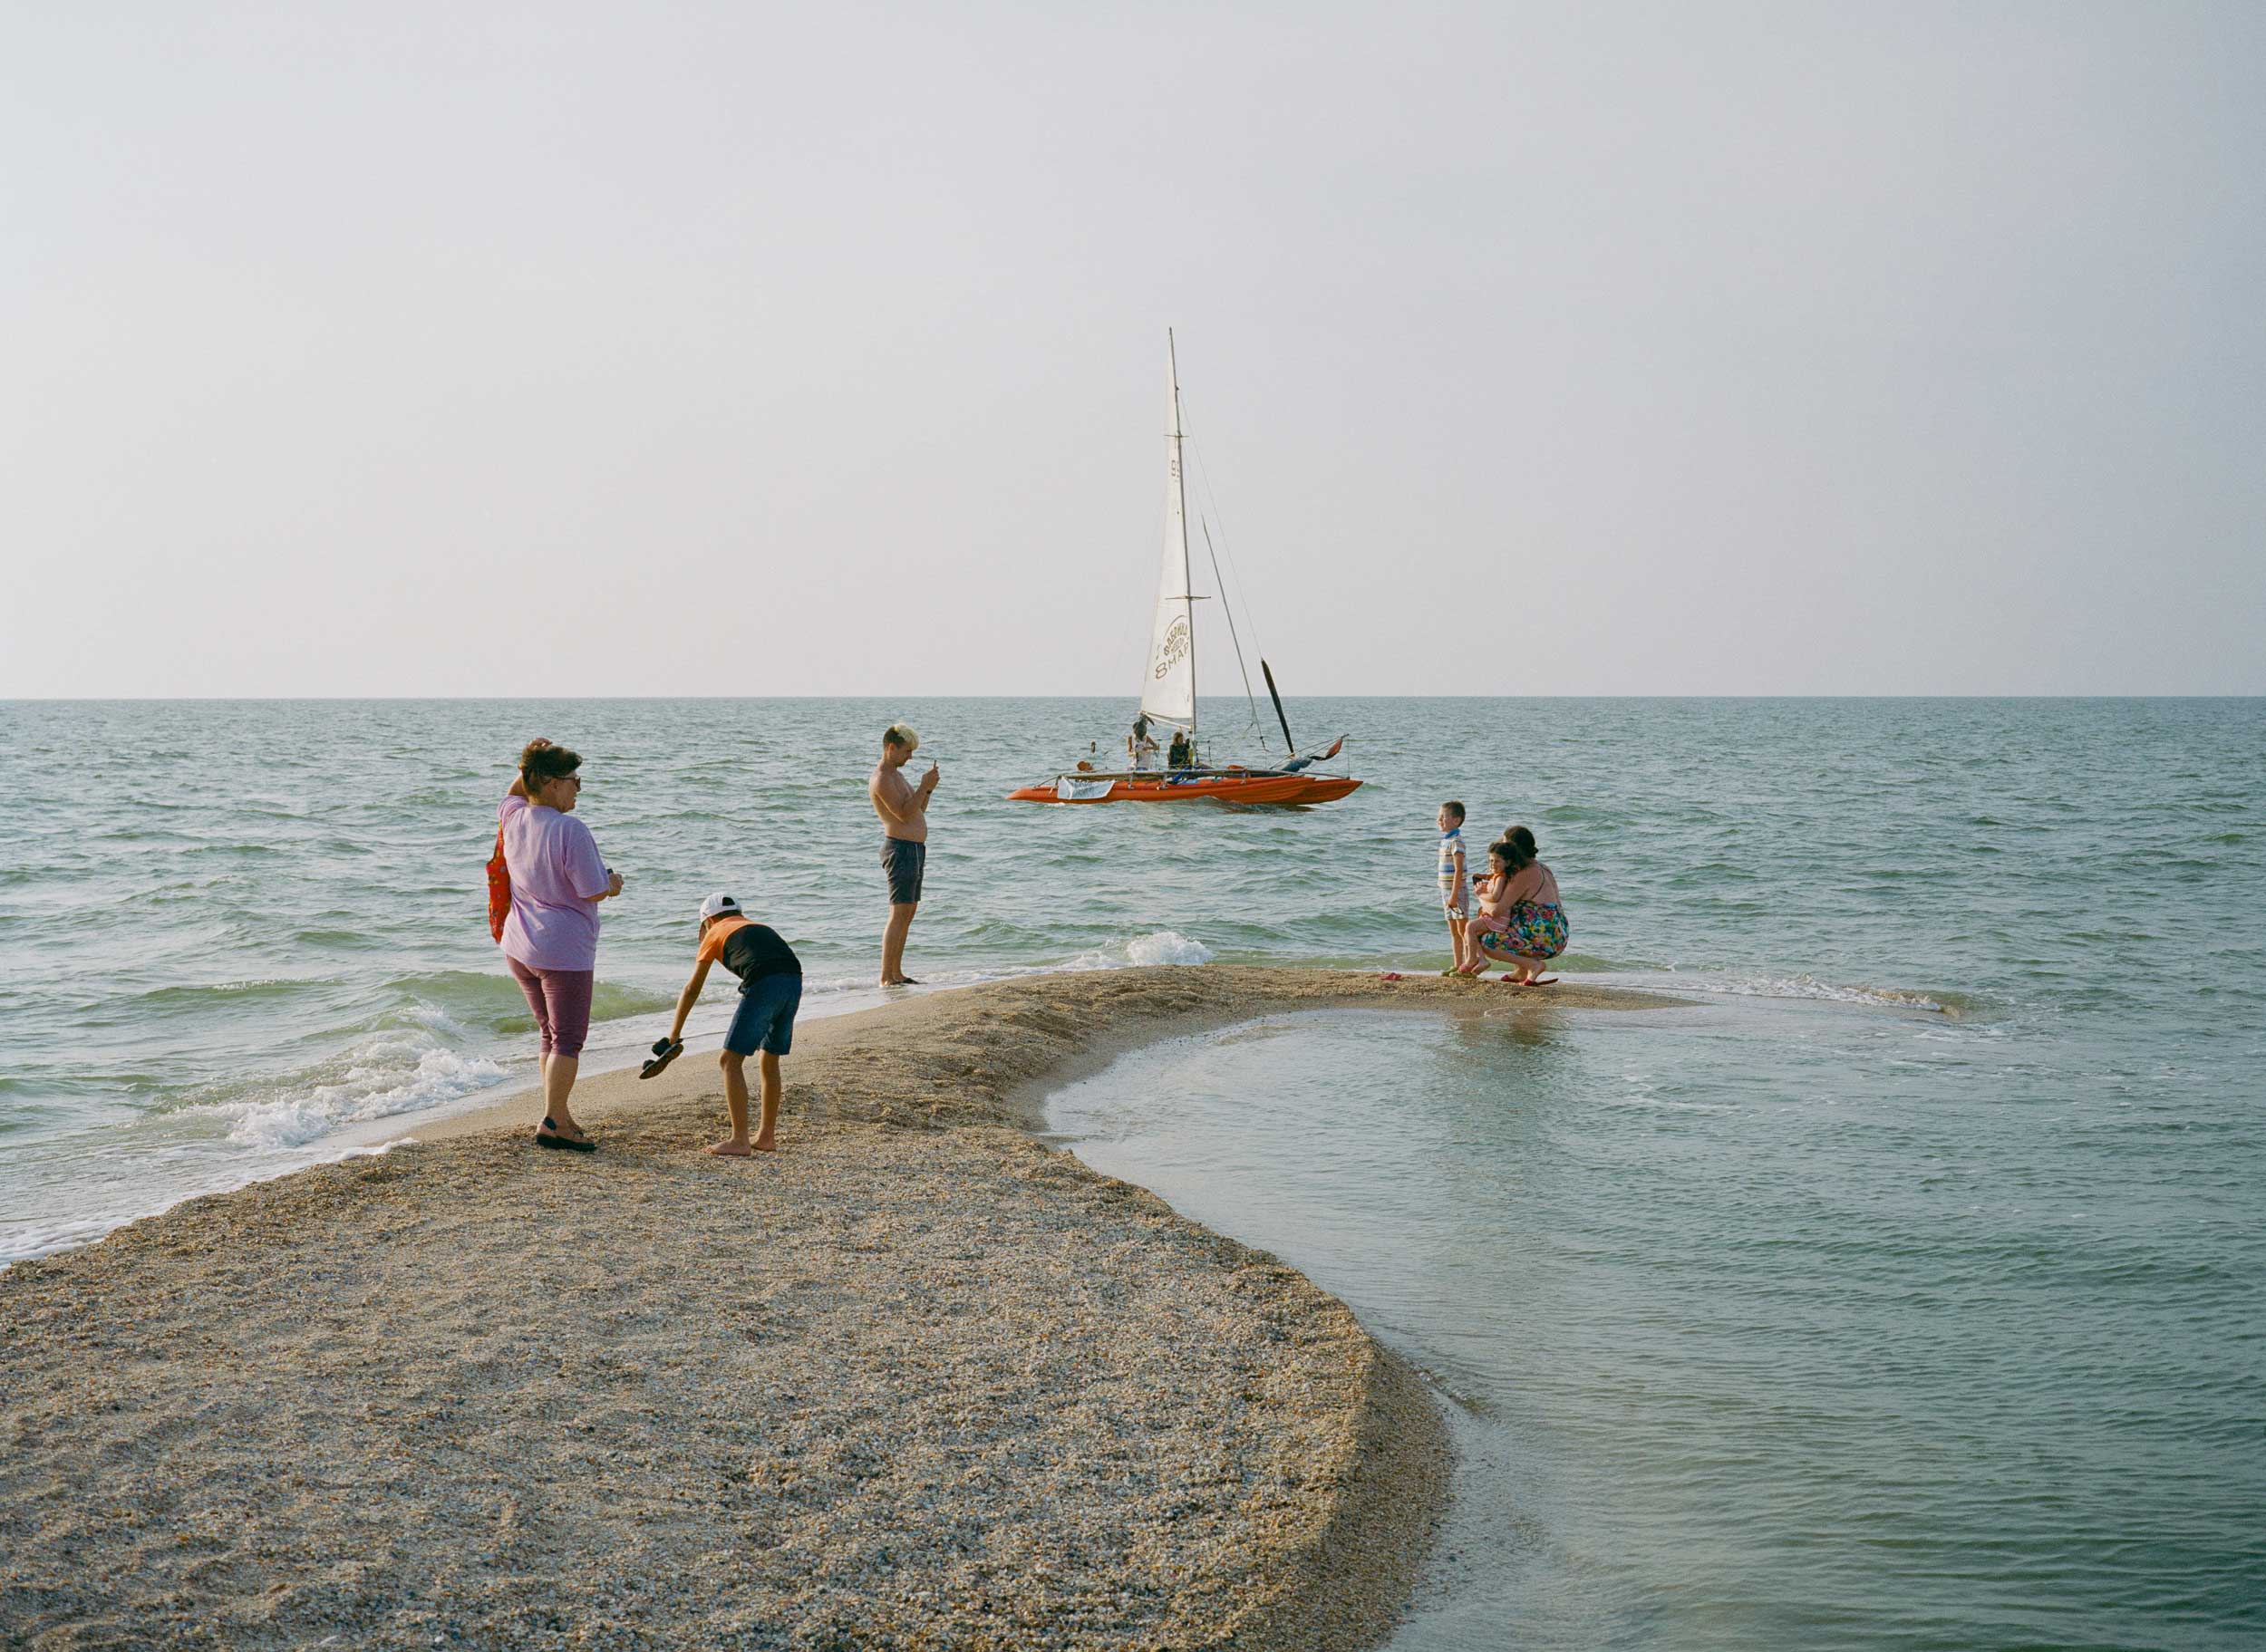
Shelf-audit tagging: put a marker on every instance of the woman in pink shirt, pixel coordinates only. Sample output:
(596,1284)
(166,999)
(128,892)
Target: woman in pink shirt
(550,940)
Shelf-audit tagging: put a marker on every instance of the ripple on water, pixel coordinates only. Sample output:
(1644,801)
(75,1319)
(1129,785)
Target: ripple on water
(1911,1373)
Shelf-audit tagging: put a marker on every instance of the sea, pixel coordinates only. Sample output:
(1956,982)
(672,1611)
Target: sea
(1903,1287)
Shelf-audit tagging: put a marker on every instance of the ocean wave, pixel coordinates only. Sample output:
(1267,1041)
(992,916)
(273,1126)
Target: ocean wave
(494,1003)
(189,995)
(1597,963)
(467,999)
(352,938)
(1167,946)
(1810,987)
(389,1073)
(817,986)
(1164,946)
(139,834)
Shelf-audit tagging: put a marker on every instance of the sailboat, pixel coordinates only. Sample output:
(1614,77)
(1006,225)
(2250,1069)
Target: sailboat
(1168,689)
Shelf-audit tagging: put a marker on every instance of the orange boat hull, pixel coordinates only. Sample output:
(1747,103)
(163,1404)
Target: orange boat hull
(1222,789)
(1325,788)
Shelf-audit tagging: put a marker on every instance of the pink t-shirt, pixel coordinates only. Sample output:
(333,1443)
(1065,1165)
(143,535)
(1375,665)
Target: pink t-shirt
(556,871)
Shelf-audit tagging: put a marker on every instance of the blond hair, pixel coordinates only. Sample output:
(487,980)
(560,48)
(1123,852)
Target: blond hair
(901,734)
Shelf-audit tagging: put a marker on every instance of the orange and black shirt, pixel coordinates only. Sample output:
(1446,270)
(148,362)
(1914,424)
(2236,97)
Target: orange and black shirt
(750,950)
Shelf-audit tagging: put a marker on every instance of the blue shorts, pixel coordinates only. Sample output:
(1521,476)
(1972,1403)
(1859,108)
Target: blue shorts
(766,1016)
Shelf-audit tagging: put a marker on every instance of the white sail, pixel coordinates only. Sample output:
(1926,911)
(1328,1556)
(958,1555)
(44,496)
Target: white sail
(1169,686)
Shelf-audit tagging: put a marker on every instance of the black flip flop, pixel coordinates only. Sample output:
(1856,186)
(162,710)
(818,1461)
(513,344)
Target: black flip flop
(546,1135)
(664,1050)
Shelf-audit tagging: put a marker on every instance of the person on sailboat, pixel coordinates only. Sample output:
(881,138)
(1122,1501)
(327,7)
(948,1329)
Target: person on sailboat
(1140,750)
(903,810)
(1181,755)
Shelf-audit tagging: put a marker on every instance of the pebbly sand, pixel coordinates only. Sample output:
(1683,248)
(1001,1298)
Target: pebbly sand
(917,1381)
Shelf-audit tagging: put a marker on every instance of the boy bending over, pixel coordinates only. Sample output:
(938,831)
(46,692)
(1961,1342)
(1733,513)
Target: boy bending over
(771,991)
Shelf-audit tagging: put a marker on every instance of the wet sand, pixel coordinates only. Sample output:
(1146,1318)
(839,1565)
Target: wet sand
(915,1381)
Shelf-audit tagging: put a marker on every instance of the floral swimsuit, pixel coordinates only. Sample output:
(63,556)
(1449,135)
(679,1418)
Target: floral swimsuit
(1530,929)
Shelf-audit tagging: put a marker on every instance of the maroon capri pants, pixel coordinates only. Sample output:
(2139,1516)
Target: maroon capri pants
(561,1001)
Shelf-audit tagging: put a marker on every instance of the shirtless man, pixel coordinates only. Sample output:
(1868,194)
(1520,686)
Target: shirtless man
(903,810)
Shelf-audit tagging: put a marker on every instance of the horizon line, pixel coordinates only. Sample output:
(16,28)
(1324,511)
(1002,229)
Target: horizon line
(1630,694)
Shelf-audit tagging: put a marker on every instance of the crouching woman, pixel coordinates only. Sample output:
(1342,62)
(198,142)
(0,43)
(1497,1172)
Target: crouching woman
(1534,928)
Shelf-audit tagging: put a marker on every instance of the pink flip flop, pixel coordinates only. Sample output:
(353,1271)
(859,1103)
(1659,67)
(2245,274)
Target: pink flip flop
(1390,975)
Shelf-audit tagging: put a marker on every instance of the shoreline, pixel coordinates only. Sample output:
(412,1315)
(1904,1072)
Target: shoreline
(1229,993)
(918,1376)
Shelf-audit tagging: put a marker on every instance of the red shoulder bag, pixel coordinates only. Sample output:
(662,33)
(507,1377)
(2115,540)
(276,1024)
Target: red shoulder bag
(499,890)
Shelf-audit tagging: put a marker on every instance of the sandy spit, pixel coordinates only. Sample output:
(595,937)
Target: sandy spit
(916,1382)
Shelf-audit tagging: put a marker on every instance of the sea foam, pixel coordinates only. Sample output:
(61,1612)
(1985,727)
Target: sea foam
(1809,987)
(404,1071)
(1165,946)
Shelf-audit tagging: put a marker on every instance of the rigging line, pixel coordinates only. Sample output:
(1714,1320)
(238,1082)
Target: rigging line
(1229,611)
(1204,474)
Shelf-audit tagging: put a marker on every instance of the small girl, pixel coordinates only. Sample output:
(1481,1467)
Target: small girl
(1521,921)
(1491,916)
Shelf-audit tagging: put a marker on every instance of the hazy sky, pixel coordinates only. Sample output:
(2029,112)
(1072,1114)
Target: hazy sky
(445,349)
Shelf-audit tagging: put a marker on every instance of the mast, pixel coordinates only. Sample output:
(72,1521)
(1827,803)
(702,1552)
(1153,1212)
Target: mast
(1178,520)
(1168,690)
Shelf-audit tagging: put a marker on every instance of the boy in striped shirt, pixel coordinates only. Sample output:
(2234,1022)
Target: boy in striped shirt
(1455,881)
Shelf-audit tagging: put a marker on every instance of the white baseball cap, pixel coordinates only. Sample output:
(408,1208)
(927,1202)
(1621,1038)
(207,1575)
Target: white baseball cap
(718,905)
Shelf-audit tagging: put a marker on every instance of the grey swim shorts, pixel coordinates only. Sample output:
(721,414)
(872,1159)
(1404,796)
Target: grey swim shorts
(904,863)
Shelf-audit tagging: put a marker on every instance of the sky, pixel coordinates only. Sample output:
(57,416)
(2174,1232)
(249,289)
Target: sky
(410,349)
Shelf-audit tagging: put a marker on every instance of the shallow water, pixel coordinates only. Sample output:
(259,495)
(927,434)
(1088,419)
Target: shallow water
(1892,1337)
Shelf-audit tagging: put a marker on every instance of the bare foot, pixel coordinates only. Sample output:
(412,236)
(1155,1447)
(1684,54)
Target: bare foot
(902,981)
(764,1144)
(732,1149)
